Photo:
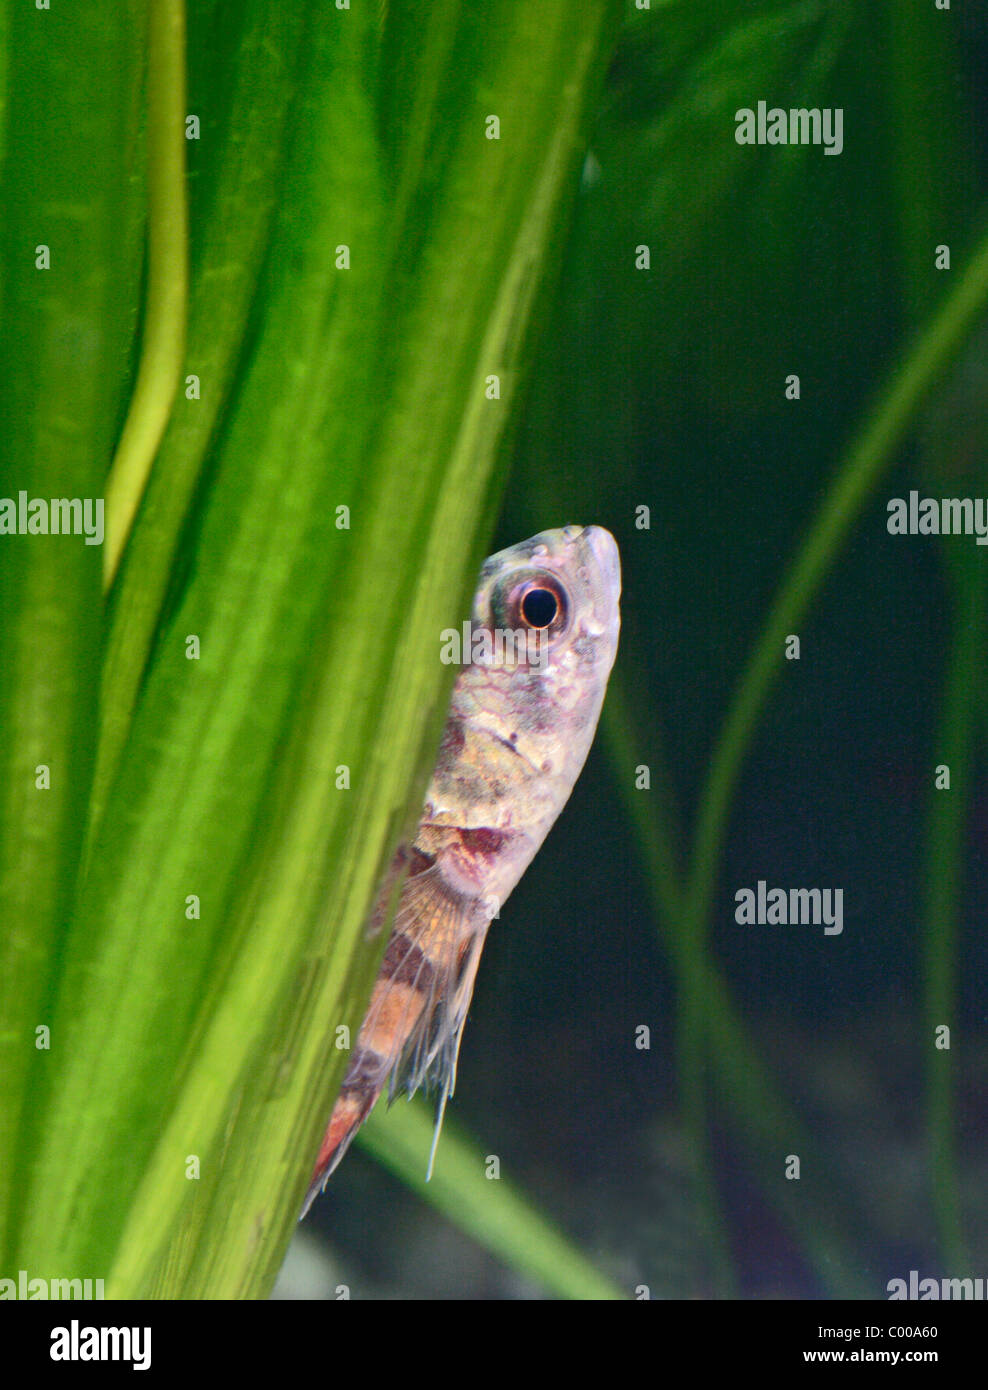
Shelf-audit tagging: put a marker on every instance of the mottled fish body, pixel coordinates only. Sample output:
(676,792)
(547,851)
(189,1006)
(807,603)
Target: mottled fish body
(522,717)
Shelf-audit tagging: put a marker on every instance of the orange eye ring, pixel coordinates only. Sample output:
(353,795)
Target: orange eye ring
(539,603)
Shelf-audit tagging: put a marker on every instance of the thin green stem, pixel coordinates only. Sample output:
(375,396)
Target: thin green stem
(870,456)
(653,811)
(743,1084)
(163,345)
(942,880)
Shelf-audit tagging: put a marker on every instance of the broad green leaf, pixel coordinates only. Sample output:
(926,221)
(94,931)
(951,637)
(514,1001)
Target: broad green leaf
(70,177)
(271,696)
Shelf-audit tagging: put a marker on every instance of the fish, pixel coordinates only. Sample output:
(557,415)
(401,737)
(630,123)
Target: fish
(543,636)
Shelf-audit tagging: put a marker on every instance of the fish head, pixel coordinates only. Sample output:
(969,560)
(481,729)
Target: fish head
(539,700)
(565,586)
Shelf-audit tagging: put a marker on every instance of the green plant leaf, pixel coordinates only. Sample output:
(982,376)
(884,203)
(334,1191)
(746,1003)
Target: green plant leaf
(313,520)
(69,184)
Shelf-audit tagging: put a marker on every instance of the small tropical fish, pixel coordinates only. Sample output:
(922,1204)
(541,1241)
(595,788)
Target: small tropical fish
(520,724)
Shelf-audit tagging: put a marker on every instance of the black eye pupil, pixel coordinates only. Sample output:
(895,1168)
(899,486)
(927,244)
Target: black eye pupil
(539,607)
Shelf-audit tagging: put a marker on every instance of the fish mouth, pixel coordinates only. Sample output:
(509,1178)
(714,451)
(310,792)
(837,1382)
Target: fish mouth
(605,552)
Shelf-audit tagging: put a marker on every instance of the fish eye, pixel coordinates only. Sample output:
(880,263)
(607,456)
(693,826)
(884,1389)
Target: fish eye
(534,600)
(538,602)
(539,607)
